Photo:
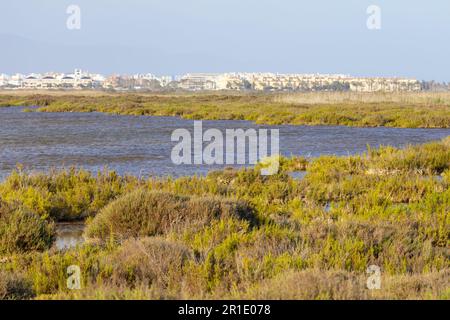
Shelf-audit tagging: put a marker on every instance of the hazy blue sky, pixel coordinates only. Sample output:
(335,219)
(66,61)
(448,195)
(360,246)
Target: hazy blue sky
(178,36)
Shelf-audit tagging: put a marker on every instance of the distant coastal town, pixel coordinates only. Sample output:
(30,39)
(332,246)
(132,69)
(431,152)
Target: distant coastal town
(79,79)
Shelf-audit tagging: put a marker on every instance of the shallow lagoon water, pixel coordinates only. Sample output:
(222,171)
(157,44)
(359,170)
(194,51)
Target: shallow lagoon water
(141,145)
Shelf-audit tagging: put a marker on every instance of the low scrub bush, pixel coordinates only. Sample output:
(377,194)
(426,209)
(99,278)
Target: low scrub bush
(22,230)
(64,195)
(149,213)
(151,261)
(15,287)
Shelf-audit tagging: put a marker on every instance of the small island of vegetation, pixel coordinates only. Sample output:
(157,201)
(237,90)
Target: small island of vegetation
(403,110)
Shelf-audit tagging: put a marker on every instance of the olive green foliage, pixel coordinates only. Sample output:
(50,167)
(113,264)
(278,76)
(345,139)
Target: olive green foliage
(149,213)
(22,230)
(238,234)
(352,109)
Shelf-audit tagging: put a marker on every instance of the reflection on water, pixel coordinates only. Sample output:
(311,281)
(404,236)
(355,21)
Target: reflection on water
(141,145)
(69,235)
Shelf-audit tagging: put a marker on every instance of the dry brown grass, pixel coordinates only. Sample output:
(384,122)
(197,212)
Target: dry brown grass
(14,287)
(153,261)
(425,98)
(338,285)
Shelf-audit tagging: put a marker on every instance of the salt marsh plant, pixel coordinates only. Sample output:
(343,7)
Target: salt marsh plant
(149,213)
(236,233)
(22,230)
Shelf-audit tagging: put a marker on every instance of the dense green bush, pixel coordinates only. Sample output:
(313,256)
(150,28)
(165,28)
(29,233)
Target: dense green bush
(22,230)
(430,158)
(64,195)
(148,213)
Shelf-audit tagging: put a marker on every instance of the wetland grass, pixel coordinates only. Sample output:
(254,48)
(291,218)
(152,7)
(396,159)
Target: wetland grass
(237,234)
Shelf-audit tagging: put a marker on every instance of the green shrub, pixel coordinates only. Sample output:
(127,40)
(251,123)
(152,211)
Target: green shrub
(149,213)
(237,234)
(64,195)
(430,158)
(22,230)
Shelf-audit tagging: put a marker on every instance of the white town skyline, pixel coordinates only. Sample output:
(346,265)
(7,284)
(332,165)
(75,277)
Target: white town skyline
(259,81)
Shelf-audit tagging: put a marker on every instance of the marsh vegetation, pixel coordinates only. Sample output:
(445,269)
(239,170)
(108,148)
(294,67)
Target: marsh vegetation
(404,110)
(235,233)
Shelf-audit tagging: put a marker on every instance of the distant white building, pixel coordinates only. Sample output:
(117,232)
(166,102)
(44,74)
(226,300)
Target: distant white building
(4,80)
(165,80)
(32,81)
(197,81)
(77,73)
(16,80)
(204,81)
(212,81)
(78,79)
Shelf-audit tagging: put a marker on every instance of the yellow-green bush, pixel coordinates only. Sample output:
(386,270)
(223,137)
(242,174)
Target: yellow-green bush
(149,213)
(237,234)
(64,195)
(310,109)
(22,230)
